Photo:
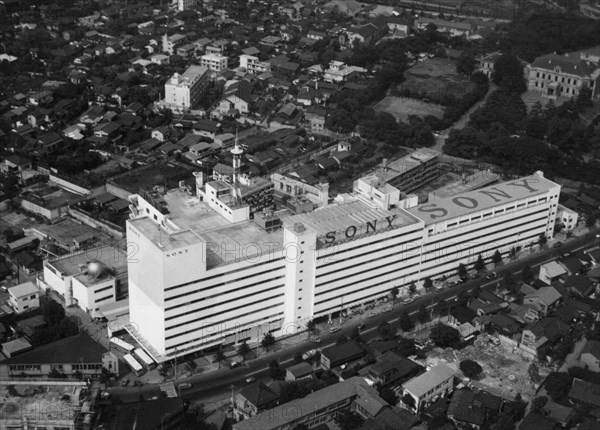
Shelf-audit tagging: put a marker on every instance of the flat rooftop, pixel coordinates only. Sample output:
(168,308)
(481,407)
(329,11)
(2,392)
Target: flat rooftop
(404,164)
(444,209)
(468,183)
(114,258)
(338,217)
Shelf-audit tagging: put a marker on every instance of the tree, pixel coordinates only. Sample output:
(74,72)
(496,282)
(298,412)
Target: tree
(268,340)
(53,312)
(519,407)
(475,292)
(463,297)
(512,253)
(423,315)
(406,323)
(55,374)
(311,326)
(497,258)
(462,271)
(243,350)
(220,356)
(394,294)
(348,420)
(386,331)
(465,63)
(557,385)
(470,368)
(542,239)
(409,401)
(538,403)
(445,336)
(527,274)
(479,264)
(510,283)
(508,74)
(387,394)
(275,371)
(428,284)
(412,288)
(590,219)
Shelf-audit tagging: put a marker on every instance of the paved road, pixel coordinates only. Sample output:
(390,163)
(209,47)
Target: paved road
(206,386)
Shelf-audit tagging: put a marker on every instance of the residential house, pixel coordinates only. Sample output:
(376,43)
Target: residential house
(93,115)
(486,63)
(546,299)
(365,35)
(398,26)
(573,265)
(536,421)
(15,347)
(428,387)
(339,72)
(471,409)
(585,393)
(253,399)
(238,97)
(298,371)
(390,369)
(187,50)
(15,164)
(551,271)
(316,35)
(566,217)
(206,128)
(159,59)
(171,43)
(580,285)
(337,355)
(253,65)
(315,115)
(547,330)
(24,297)
(590,355)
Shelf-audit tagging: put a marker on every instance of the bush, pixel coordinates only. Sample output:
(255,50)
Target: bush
(470,368)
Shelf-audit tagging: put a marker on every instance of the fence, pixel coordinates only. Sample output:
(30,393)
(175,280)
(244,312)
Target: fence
(105,226)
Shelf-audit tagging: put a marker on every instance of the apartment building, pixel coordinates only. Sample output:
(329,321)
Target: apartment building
(183,92)
(253,65)
(428,387)
(214,62)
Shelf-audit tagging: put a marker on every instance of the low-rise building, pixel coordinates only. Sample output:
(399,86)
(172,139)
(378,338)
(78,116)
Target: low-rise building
(71,356)
(253,399)
(298,371)
(214,62)
(183,92)
(24,297)
(550,272)
(337,355)
(428,387)
(568,218)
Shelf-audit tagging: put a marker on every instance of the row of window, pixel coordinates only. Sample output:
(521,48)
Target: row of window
(207,317)
(215,286)
(208,278)
(252,294)
(104,298)
(336,299)
(549,77)
(270,318)
(328,260)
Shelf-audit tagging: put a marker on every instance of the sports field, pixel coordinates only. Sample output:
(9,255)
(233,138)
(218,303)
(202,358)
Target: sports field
(403,107)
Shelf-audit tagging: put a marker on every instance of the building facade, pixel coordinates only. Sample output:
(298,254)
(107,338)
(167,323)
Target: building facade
(206,273)
(214,62)
(253,65)
(183,92)
(562,75)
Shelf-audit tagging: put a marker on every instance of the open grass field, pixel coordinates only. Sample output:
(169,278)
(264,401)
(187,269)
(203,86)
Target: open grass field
(435,78)
(402,107)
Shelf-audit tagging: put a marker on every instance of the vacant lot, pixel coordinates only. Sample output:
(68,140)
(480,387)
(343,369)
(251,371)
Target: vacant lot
(435,79)
(403,107)
(504,373)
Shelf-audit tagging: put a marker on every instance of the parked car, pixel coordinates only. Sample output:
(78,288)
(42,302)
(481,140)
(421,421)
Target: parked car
(250,379)
(492,275)
(315,340)
(495,340)
(557,245)
(310,354)
(235,364)
(185,386)
(137,383)
(125,382)
(334,329)
(361,326)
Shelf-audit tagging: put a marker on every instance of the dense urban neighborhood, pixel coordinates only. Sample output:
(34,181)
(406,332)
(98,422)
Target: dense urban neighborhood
(292,215)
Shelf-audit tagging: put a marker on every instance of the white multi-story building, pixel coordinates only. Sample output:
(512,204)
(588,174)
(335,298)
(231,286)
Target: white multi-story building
(183,92)
(207,274)
(185,4)
(253,65)
(214,62)
(170,43)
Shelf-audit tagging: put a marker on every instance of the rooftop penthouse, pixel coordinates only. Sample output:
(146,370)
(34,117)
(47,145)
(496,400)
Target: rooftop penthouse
(189,77)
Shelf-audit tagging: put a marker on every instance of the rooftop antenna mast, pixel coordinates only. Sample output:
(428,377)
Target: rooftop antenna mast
(237,161)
